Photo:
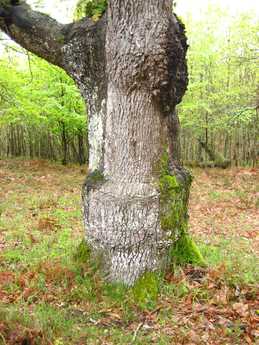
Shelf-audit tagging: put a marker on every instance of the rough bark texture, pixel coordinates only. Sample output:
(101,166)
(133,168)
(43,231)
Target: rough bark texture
(146,75)
(130,67)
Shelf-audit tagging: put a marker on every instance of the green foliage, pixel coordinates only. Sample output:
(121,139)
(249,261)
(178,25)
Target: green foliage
(47,97)
(90,8)
(221,97)
(43,97)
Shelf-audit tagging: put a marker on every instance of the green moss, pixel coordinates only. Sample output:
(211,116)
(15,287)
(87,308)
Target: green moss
(185,251)
(143,294)
(174,193)
(171,207)
(173,203)
(146,290)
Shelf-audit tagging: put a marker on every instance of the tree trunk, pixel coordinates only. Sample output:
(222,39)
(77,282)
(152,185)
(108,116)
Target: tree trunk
(122,198)
(81,149)
(130,67)
(64,142)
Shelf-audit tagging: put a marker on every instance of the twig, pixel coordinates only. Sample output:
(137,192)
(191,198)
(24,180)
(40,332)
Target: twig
(136,332)
(1,335)
(29,64)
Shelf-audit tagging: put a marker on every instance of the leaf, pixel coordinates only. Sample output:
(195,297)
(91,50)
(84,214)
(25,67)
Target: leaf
(241,309)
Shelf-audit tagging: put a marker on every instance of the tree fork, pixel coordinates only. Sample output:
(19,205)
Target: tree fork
(131,69)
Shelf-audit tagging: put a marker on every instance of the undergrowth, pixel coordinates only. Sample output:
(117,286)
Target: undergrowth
(51,291)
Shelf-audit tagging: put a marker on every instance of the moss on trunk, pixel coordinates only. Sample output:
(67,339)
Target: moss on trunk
(174,194)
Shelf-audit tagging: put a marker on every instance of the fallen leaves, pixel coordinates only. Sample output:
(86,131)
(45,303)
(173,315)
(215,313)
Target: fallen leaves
(241,309)
(6,278)
(48,224)
(221,296)
(197,306)
(225,203)
(20,335)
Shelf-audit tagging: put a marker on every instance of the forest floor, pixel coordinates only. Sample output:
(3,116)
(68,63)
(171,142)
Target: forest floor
(49,295)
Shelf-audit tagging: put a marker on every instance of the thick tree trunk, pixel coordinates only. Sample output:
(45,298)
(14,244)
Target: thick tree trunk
(146,77)
(130,67)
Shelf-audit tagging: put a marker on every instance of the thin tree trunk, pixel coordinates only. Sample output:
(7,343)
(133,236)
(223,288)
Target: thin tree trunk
(81,151)
(64,143)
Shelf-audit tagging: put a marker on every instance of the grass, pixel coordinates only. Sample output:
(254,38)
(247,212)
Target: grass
(50,294)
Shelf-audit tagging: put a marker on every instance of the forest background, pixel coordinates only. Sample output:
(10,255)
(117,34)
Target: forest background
(42,114)
(50,292)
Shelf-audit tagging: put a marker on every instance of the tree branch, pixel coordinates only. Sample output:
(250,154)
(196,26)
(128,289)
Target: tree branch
(78,48)
(33,30)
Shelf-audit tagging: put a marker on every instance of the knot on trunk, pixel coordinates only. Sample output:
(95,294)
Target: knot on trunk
(151,55)
(172,91)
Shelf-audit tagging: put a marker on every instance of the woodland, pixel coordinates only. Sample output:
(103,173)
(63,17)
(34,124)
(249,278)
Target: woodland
(43,115)
(62,280)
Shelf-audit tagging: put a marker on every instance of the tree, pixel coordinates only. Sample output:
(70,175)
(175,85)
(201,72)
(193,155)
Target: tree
(219,108)
(130,67)
(42,112)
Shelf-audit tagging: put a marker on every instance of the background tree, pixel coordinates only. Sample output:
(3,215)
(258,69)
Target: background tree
(219,108)
(42,113)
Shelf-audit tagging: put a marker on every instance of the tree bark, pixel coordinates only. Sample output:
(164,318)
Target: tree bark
(130,67)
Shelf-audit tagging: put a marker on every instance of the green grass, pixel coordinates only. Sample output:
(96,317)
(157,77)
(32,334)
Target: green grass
(241,267)
(51,291)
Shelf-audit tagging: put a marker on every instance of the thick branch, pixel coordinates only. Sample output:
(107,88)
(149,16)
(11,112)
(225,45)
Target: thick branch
(79,48)
(84,56)
(33,30)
